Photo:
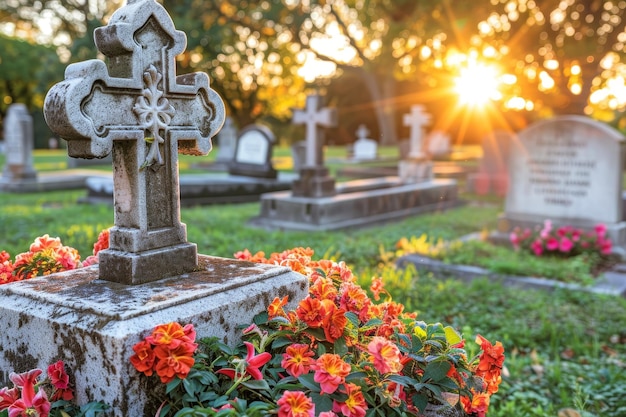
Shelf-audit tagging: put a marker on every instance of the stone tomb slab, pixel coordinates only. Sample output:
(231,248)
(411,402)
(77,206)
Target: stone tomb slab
(355,205)
(92,324)
(567,170)
(202,189)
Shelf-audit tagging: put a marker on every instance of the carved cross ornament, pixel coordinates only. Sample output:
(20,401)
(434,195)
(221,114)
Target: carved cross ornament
(136,107)
(313,117)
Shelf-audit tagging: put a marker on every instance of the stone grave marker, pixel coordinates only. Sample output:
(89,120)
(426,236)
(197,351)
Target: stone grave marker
(137,108)
(226,142)
(19,140)
(415,166)
(364,148)
(314,180)
(439,146)
(253,155)
(568,170)
(493,172)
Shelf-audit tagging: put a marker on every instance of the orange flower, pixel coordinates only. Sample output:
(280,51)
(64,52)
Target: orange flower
(323,288)
(330,372)
(377,287)
(355,299)
(490,363)
(355,405)
(478,406)
(385,355)
(103,241)
(297,359)
(174,362)
(276,307)
(169,335)
(45,242)
(334,320)
(309,311)
(295,404)
(143,359)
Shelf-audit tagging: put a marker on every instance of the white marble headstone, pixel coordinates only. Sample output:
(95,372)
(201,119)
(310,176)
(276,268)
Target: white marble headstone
(226,141)
(19,143)
(253,148)
(364,147)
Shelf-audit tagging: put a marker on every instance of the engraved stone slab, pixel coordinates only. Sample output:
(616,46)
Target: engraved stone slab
(253,154)
(137,108)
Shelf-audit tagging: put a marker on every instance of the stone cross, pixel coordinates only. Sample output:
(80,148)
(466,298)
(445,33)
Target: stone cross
(314,117)
(416,120)
(137,108)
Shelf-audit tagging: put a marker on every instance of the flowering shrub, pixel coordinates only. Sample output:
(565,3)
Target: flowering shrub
(47,255)
(337,353)
(563,241)
(48,397)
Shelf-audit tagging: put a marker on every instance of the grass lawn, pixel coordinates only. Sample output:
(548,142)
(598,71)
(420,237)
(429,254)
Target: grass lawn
(564,349)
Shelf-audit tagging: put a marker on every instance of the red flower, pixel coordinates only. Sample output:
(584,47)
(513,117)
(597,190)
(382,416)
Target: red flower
(8,397)
(30,401)
(354,405)
(310,311)
(61,381)
(170,335)
(295,404)
(330,372)
(253,363)
(143,359)
(102,243)
(478,406)
(334,320)
(297,359)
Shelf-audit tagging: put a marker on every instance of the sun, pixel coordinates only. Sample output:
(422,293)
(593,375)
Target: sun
(477,84)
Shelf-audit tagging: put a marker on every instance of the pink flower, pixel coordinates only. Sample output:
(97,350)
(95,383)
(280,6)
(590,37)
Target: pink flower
(565,245)
(295,404)
(330,372)
(31,403)
(327,414)
(537,247)
(385,354)
(8,397)
(605,246)
(547,228)
(600,230)
(552,244)
(515,239)
(297,359)
(253,363)
(61,381)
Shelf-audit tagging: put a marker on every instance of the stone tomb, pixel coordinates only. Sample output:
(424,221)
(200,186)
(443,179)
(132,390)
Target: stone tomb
(568,170)
(493,174)
(317,204)
(136,107)
(253,153)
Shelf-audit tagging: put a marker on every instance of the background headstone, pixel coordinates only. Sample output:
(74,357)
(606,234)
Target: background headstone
(439,145)
(253,153)
(19,143)
(364,148)
(567,170)
(226,141)
(493,174)
(416,167)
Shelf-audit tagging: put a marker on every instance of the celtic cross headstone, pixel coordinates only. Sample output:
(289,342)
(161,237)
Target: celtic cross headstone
(136,107)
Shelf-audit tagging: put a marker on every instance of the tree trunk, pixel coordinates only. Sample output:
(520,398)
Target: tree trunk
(381,96)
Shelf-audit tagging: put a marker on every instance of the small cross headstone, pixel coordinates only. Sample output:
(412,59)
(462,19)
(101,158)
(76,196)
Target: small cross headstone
(226,141)
(136,107)
(364,148)
(416,120)
(253,155)
(314,116)
(314,180)
(19,140)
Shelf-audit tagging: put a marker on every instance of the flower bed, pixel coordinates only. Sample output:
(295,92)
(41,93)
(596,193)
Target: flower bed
(339,353)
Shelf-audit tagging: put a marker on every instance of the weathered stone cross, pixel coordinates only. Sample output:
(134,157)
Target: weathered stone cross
(314,117)
(136,107)
(416,120)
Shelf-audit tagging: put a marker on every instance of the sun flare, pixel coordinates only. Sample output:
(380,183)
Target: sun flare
(477,84)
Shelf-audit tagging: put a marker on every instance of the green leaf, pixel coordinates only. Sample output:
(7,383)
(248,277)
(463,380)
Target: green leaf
(322,402)
(260,384)
(436,371)
(308,382)
(402,380)
(420,401)
(340,346)
(353,318)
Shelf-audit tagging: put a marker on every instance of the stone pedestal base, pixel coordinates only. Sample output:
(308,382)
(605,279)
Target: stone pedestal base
(415,170)
(314,182)
(92,324)
(355,206)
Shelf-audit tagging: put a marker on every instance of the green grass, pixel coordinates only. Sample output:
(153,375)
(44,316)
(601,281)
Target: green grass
(564,349)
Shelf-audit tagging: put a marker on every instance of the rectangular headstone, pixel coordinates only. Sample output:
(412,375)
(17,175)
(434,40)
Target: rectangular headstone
(19,142)
(567,170)
(253,153)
